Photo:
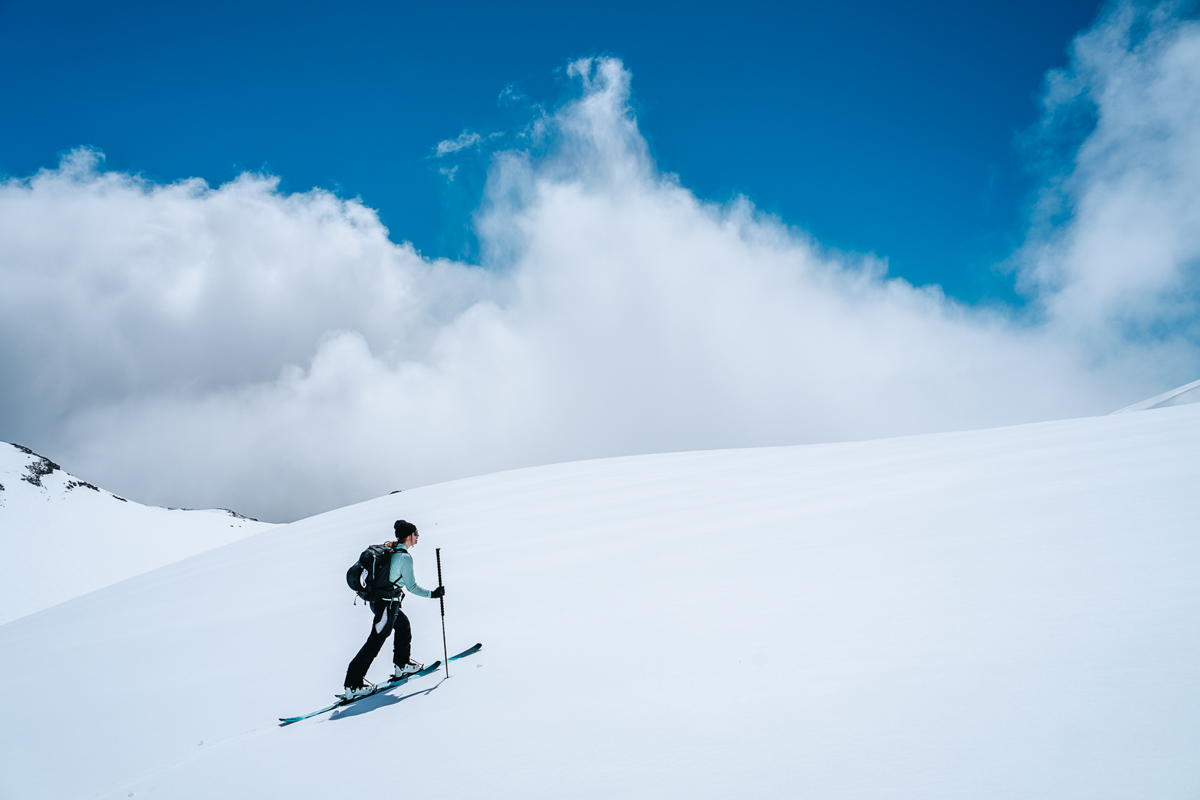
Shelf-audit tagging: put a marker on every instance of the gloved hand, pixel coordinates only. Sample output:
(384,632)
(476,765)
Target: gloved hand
(438,592)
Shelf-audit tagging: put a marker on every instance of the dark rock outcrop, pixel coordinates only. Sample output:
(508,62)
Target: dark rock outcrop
(39,467)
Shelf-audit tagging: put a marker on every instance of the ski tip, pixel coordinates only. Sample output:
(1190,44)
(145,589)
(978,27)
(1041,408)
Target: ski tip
(475,648)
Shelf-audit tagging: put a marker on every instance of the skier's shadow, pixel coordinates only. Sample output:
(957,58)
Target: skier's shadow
(368,704)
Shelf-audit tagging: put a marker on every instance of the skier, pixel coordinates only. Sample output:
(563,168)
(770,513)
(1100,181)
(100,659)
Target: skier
(389,617)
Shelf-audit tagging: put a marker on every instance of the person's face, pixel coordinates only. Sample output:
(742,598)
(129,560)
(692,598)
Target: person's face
(411,540)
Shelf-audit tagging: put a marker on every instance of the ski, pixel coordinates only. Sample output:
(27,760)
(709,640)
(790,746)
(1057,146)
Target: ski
(475,648)
(383,687)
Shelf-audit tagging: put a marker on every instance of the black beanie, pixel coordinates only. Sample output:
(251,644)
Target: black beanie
(404,529)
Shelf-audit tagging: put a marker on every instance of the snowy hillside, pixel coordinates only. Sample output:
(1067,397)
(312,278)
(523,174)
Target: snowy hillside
(993,614)
(61,536)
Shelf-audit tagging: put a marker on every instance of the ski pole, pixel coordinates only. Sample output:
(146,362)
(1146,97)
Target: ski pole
(442,600)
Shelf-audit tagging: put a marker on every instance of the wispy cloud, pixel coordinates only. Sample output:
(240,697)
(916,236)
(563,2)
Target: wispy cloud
(465,140)
(511,95)
(277,353)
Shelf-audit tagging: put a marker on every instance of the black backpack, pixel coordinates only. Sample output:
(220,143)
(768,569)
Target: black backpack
(375,564)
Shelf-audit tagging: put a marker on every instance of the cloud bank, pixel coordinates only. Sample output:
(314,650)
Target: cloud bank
(1115,251)
(279,354)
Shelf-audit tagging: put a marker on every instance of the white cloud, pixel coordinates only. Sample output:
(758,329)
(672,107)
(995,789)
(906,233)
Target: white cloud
(1126,262)
(465,139)
(278,354)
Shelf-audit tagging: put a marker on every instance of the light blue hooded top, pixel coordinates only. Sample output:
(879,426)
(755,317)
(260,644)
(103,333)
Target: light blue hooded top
(401,573)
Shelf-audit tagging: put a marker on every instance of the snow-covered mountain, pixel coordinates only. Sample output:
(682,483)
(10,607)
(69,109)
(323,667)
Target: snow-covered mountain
(991,614)
(61,536)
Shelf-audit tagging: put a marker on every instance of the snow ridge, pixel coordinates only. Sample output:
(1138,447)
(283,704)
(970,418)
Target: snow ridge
(110,538)
(1180,395)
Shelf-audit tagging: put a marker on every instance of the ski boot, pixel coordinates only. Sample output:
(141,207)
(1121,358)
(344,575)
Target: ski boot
(399,672)
(355,692)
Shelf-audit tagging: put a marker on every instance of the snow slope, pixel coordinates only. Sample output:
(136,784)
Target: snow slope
(61,536)
(1007,613)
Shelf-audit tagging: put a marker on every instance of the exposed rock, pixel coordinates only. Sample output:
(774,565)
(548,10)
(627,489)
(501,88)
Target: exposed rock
(38,467)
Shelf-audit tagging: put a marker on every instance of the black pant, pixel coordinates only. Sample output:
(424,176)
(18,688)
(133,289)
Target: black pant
(388,616)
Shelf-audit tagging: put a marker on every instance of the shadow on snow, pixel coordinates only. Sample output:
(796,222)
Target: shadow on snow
(375,701)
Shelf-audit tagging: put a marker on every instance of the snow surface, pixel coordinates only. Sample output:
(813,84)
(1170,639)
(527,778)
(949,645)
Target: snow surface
(1007,613)
(61,536)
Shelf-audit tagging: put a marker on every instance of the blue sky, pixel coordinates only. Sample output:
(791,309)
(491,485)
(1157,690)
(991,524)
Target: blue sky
(675,228)
(877,126)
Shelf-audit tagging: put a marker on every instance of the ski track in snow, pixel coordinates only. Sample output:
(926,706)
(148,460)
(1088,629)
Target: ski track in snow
(991,614)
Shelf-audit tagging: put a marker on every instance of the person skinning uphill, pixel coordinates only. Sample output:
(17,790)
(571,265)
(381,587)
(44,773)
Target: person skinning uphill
(384,592)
